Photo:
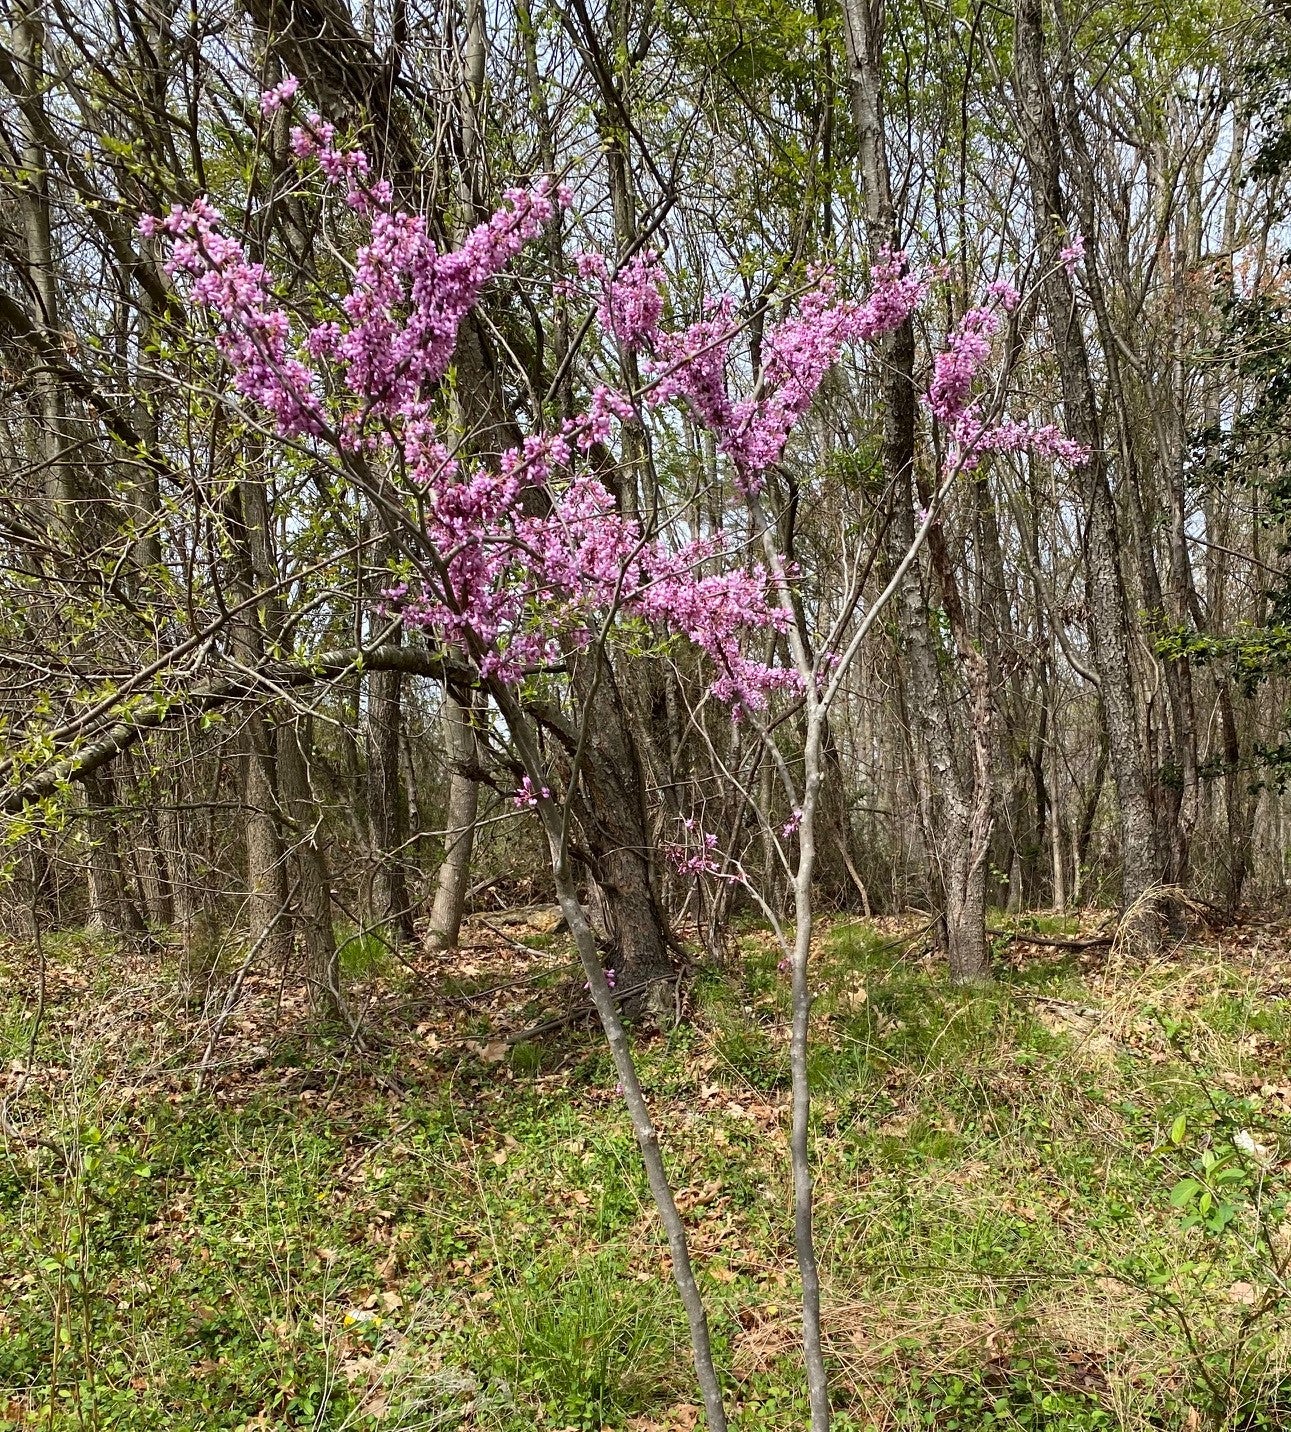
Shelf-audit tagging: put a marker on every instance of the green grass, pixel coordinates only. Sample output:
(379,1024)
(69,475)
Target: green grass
(423,1237)
(362,953)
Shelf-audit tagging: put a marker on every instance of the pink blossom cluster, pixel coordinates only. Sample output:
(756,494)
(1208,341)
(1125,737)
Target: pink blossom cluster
(966,352)
(631,301)
(717,613)
(254,331)
(1072,253)
(316,139)
(950,395)
(526,798)
(515,587)
(692,365)
(532,554)
(272,100)
(695,854)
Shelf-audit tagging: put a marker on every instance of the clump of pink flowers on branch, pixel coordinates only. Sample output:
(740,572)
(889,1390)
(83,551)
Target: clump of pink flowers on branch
(519,563)
(517,582)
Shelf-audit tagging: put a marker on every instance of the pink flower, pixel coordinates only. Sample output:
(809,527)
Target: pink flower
(1072,253)
(272,100)
(526,797)
(532,553)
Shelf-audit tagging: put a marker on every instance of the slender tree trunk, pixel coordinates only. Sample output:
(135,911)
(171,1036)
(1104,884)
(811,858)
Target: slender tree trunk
(459,824)
(800,1127)
(388,905)
(963,818)
(625,1067)
(104,913)
(178,862)
(1089,810)
(312,875)
(1058,864)
(27,38)
(266,884)
(1104,582)
(151,872)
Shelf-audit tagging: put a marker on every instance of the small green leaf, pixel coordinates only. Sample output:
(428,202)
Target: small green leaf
(1184,1192)
(1178,1129)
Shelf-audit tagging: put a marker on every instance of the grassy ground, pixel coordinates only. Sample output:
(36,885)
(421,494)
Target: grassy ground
(1053,1204)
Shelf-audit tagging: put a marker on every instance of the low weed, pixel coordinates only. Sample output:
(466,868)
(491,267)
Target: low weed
(1056,1204)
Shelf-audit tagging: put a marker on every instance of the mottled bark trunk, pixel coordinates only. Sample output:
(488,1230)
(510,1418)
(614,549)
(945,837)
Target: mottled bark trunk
(266,883)
(614,839)
(1057,863)
(961,822)
(968,950)
(312,876)
(27,39)
(150,866)
(1239,807)
(388,904)
(105,909)
(459,824)
(177,862)
(1088,811)
(1104,583)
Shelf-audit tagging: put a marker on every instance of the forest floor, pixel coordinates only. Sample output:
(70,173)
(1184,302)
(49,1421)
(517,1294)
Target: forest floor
(1052,1203)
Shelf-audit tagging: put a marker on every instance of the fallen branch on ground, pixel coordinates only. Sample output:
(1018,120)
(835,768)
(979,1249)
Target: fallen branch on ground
(1089,943)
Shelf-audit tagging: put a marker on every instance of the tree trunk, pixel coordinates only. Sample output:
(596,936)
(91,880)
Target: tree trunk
(610,812)
(308,856)
(1104,582)
(27,38)
(616,1037)
(104,913)
(459,824)
(266,884)
(388,905)
(961,832)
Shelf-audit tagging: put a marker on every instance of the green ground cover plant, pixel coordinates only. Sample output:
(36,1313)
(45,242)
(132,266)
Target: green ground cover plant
(1054,1203)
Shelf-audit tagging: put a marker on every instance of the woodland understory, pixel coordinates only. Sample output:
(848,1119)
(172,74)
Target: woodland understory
(758,529)
(273,1229)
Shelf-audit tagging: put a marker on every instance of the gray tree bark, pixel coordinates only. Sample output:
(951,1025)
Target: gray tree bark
(308,856)
(961,832)
(459,824)
(388,903)
(1105,597)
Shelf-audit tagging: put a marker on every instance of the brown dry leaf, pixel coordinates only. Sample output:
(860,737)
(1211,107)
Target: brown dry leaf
(691,1198)
(1244,1294)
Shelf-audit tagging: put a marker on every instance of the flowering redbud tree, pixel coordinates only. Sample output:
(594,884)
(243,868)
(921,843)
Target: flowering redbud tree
(520,567)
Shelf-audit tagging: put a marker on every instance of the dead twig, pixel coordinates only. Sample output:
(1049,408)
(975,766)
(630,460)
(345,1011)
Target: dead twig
(1091,942)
